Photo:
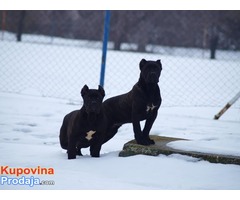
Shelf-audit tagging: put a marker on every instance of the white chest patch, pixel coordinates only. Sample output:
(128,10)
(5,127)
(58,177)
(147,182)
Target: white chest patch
(150,108)
(90,134)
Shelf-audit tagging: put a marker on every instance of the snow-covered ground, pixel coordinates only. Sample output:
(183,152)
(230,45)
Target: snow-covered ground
(30,123)
(29,138)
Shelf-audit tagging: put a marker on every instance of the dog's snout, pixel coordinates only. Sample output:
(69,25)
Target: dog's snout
(94,105)
(94,102)
(152,77)
(152,74)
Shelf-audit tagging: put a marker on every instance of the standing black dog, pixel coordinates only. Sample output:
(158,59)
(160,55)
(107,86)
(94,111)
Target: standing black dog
(141,103)
(85,127)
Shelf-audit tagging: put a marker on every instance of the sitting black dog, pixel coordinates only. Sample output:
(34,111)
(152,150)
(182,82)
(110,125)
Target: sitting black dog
(85,127)
(141,103)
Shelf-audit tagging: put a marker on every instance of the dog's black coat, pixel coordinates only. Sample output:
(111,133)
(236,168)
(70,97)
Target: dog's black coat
(85,127)
(141,103)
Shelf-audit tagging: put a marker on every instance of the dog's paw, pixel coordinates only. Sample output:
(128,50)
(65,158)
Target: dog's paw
(95,155)
(150,141)
(143,142)
(146,142)
(71,156)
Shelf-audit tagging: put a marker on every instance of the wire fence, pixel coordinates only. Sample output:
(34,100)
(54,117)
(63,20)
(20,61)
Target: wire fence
(54,53)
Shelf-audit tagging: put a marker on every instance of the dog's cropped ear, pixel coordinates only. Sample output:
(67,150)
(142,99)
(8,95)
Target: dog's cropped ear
(84,90)
(101,90)
(142,63)
(158,62)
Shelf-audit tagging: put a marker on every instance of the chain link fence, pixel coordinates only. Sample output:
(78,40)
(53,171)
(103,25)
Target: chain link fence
(54,53)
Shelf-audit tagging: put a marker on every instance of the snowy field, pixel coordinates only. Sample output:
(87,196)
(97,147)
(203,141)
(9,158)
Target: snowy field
(30,123)
(29,138)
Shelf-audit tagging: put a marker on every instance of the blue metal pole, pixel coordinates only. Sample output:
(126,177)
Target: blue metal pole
(104,49)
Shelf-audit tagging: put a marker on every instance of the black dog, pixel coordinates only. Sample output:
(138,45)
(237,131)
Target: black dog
(85,127)
(141,103)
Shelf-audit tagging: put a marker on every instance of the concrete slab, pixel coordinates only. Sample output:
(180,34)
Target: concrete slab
(132,148)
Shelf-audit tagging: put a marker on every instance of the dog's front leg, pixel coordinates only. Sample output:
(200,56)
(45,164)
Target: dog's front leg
(95,148)
(72,147)
(137,131)
(147,127)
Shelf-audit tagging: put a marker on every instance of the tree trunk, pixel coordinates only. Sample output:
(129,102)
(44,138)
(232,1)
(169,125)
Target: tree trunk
(213,46)
(117,45)
(141,47)
(21,25)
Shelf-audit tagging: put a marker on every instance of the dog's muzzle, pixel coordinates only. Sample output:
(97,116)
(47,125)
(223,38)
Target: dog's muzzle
(152,77)
(94,107)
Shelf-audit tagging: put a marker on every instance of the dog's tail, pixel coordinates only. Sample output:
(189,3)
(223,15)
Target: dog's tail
(112,132)
(63,137)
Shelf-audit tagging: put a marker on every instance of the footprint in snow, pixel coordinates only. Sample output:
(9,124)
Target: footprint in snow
(27,124)
(24,130)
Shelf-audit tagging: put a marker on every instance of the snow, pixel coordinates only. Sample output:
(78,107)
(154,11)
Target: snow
(30,123)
